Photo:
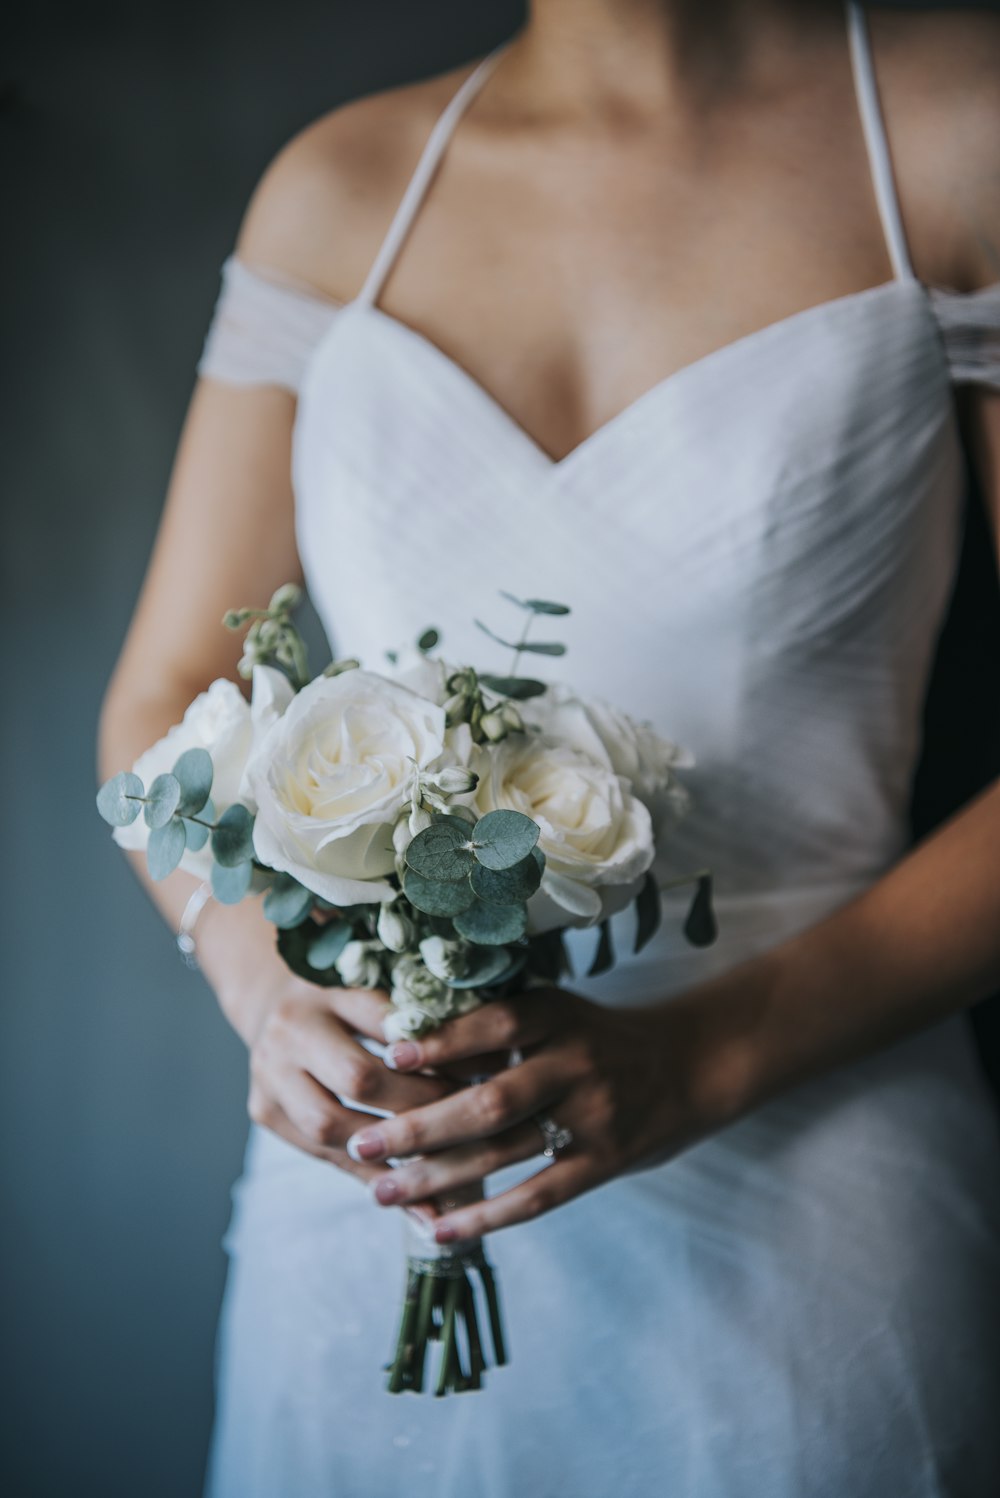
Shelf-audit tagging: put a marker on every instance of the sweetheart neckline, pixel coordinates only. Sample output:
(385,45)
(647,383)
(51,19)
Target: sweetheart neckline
(647,398)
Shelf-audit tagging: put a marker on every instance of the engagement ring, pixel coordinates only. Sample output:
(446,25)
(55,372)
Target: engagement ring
(556,1137)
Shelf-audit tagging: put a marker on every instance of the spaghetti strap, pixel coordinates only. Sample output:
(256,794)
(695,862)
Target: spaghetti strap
(427,164)
(876,141)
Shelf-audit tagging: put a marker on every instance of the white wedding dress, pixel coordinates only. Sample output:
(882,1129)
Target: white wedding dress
(759,552)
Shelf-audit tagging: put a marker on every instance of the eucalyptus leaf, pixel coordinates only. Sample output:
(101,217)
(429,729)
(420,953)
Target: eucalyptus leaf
(324,949)
(287,902)
(436,896)
(541,647)
(503,838)
(508,886)
(294,944)
(230,882)
(535,605)
(162,800)
(518,687)
(118,799)
(648,912)
(604,957)
(490,964)
(491,925)
(232,839)
(165,849)
(194,773)
(197,832)
(440,852)
(700,927)
(428,640)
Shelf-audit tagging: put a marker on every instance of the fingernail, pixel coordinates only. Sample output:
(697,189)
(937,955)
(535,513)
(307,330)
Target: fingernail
(402,1055)
(368,1145)
(445,1234)
(387,1190)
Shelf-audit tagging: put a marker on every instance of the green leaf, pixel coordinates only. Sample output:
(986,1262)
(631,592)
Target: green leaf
(490,964)
(549,957)
(440,852)
(324,950)
(540,647)
(508,886)
(518,687)
(700,927)
(162,800)
(197,832)
(232,839)
(503,838)
(648,911)
(116,799)
(194,772)
(287,902)
(535,605)
(604,957)
(294,944)
(230,882)
(435,896)
(428,640)
(165,849)
(491,925)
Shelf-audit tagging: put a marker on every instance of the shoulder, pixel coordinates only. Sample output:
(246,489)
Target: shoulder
(939,76)
(325,202)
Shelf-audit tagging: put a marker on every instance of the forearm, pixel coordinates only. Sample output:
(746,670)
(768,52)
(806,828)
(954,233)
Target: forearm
(236,943)
(921,944)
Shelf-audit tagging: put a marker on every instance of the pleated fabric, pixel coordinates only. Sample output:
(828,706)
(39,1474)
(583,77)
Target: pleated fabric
(758,553)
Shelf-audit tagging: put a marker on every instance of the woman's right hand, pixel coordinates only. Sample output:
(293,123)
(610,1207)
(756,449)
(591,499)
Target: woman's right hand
(308,1069)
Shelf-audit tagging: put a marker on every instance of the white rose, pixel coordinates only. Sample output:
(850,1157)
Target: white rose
(222,721)
(636,750)
(331,776)
(596,836)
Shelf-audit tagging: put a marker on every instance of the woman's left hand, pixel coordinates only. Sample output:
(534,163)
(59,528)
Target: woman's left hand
(633,1085)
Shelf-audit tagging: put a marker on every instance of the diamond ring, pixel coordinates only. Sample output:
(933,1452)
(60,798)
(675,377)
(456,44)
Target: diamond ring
(556,1137)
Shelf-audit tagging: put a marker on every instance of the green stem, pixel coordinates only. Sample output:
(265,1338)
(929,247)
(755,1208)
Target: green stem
(493,1304)
(520,644)
(421,1332)
(476,1360)
(449,1348)
(398,1376)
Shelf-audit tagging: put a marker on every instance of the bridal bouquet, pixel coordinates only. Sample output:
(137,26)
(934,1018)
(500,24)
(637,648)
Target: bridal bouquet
(428,829)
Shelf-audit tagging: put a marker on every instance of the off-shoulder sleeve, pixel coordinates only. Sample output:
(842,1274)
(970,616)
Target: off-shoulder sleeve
(970,328)
(264,328)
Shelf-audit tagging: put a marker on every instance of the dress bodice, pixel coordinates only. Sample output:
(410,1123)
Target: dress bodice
(758,552)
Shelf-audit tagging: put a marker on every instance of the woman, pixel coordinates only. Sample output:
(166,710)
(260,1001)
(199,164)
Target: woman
(662,329)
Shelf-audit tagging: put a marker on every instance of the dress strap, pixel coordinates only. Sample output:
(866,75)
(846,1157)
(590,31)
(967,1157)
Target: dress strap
(427,165)
(876,141)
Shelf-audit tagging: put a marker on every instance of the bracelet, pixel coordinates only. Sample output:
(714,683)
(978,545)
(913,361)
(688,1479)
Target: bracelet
(197,901)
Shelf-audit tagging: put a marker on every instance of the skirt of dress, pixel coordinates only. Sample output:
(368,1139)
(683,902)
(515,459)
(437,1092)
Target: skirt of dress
(806,1305)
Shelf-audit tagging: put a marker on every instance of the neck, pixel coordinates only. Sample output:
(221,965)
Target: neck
(632,56)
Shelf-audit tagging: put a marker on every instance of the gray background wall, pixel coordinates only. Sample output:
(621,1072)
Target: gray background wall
(131,137)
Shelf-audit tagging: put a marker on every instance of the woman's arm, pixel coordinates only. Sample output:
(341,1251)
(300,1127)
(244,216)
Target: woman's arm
(226,539)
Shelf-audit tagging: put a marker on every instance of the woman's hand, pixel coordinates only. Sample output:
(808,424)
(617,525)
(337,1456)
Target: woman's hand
(631,1084)
(307,1068)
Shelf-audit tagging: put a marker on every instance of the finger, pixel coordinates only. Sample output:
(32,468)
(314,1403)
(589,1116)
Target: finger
(361,1009)
(496,1026)
(470,1113)
(465,1163)
(305,1114)
(321,1046)
(548,1188)
(272,1116)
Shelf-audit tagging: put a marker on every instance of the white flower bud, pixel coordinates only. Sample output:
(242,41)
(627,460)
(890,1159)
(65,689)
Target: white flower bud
(447,960)
(419,819)
(455,708)
(395,930)
(493,726)
(512,718)
(455,780)
(288,596)
(359,964)
(402,1024)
